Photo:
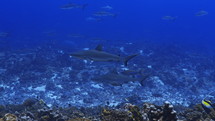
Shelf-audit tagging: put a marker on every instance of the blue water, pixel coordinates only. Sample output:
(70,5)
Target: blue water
(136,20)
(41,26)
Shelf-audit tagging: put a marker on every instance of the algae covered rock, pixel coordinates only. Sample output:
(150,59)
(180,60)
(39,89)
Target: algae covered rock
(34,110)
(79,119)
(198,113)
(10,117)
(135,111)
(116,115)
(50,115)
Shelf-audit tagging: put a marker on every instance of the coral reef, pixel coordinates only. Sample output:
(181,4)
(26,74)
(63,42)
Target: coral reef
(49,74)
(9,117)
(34,109)
(115,115)
(60,87)
(38,111)
(198,113)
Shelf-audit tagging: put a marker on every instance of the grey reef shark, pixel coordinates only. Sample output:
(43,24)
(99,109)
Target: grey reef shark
(98,54)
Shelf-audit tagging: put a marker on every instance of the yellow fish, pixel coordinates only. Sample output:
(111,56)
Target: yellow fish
(207,103)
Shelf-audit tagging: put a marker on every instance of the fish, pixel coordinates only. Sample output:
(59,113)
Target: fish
(98,54)
(93,19)
(50,33)
(117,79)
(4,34)
(169,18)
(98,40)
(201,13)
(207,103)
(104,14)
(107,7)
(208,106)
(75,35)
(72,6)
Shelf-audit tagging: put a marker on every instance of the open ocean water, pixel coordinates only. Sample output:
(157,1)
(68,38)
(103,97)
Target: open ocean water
(74,52)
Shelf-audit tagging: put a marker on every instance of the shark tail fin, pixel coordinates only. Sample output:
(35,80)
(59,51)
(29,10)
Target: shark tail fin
(126,59)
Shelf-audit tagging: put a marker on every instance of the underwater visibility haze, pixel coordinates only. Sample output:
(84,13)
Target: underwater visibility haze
(89,53)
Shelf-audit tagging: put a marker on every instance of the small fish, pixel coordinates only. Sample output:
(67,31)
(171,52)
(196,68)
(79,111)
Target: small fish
(72,6)
(98,40)
(201,13)
(4,34)
(50,33)
(76,35)
(169,18)
(104,14)
(93,19)
(107,7)
(207,103)
(98,54)
(208,106)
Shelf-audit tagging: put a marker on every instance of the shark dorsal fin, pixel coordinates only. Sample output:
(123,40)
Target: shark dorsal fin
(99,48)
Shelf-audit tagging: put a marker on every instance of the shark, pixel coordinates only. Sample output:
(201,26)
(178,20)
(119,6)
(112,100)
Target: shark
(117,79)
(98,54)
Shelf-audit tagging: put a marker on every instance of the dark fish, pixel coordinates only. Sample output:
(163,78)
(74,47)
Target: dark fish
(72,6)
(98,55)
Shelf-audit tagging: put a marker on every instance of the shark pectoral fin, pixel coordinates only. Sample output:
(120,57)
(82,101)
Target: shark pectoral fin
(126,59)
(99,47)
